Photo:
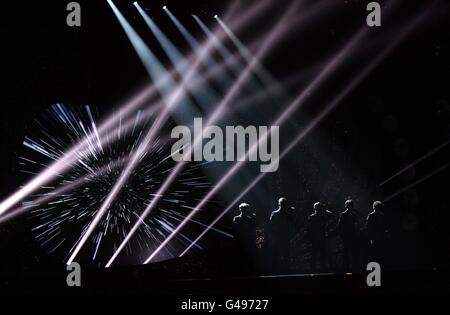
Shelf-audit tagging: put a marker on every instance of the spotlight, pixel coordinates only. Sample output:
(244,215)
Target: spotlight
(164,7)
(216,16)
(135,3)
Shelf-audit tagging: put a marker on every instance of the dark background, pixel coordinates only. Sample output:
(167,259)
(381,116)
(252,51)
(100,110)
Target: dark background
(398,113)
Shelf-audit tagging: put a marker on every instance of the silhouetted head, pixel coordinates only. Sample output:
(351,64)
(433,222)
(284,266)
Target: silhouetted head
(245,209)
(319,207)
(378,206)
(283,204)
(349,205)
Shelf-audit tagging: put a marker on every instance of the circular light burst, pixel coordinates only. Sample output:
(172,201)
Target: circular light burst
(61,212)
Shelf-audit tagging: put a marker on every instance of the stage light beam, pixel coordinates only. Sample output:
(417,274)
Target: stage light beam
(203,96)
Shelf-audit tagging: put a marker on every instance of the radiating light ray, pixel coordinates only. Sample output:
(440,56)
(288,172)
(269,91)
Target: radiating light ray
(412,164)
(236,67)
(178,217)
(225,79)
(260,70)
(204,96)
(417,182)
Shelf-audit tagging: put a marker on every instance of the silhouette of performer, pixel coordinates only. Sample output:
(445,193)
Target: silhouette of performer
(245,226)
(377,231)
(249,232)
(317,229)
(348,231)
(281,234)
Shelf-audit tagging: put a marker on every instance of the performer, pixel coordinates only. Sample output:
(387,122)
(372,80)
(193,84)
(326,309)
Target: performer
(281,234)
(348,231)
(250,234)
(318,231)
(377,231)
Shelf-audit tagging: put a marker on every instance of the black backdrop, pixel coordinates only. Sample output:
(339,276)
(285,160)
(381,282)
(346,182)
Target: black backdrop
(398,113)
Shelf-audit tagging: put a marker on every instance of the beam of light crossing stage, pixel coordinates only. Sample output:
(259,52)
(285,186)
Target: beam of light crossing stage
(334,62)
(213,118)
(168,226)
(419,181)
(225,80)
(151,63)
(260,70)
(410,165)
(262,74)
(248,14)
(243,19)
(201,224)
(186,34)
(175,56)
(236,68)
(205,96)
(223,51)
